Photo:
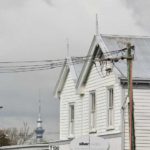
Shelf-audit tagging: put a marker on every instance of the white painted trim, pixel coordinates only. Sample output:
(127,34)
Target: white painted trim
(61,80)
(113,117)
(92,130)
(85,68)
(71,135)
(113,132)
(68,66)
(97,41)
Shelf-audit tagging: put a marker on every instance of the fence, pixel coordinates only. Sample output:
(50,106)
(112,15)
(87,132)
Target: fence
(49,146)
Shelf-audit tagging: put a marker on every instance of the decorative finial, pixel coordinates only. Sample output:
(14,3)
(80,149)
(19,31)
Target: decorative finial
(67,47)
(97,25)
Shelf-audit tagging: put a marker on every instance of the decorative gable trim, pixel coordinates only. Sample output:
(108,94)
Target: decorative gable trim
(61,80)
(97,44)
(67,67)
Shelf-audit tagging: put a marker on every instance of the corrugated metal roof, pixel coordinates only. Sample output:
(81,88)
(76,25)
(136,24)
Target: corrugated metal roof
(141,63)
(78,68)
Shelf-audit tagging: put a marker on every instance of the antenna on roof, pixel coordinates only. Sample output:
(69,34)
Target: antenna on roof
(67,47)
(97,25)
(39,103)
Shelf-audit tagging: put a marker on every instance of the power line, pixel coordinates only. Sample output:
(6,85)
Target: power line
(73,58)
(38,65)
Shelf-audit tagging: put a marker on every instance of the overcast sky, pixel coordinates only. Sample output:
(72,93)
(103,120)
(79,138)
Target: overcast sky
(37,30)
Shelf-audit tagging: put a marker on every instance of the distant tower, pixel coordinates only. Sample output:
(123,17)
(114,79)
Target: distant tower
(39,130)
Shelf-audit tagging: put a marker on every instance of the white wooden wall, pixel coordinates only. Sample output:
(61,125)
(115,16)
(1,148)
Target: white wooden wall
(100,85)
(142,120)
(69,95)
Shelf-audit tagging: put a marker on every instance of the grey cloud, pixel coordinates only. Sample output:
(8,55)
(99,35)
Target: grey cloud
(7,4)
(141,12)
(49,2)
(13,4)
(37,32)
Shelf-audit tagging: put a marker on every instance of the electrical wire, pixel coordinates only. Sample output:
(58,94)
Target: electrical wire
(26,66)
(99,72)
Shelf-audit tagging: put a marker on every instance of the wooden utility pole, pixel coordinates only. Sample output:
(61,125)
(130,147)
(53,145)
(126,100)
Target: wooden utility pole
(130,95)
(129,57)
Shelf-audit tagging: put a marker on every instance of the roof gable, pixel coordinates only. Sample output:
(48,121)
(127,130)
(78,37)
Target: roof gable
(107,43)
(61,80)
(141,63)
(68,66)
(96,46)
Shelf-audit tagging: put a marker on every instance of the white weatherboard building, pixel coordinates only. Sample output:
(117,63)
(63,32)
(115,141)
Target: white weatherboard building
(92,102)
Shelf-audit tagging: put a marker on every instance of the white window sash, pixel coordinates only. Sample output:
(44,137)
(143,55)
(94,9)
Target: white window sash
(71,119)
(92,120)
(92,110)
(110,108)
(110,117)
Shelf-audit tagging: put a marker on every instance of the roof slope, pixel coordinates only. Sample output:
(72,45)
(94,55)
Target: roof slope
(106,43)
(71,67)
(141,63)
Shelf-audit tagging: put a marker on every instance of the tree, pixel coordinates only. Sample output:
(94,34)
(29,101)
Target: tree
(25,134)
(18,136)
(4,140)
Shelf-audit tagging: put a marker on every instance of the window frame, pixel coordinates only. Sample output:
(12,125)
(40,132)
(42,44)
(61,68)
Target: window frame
(71,129)
(92,112)
(110,108)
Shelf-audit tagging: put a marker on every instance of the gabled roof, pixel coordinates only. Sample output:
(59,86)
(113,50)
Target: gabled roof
(74,69)
(97,43)
(141,63)
(107,43)
(61,80)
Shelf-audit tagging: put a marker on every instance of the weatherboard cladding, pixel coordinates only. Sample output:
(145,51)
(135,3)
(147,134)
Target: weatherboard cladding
(75,70)
(95,82)
(141,69)
(141,74)
(142,119)
(100,85)
(69,95)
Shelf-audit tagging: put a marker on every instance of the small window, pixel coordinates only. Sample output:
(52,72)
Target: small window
(92,111)
(71,119)
(110,107)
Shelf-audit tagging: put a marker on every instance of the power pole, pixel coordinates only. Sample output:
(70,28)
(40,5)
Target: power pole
(130,95)
(129,57)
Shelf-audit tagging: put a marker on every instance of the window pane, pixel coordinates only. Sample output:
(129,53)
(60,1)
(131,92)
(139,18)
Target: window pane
(110,106)
(71,119)
(110,98)
(72,112)
(110,117)
(92,110)
(93,102)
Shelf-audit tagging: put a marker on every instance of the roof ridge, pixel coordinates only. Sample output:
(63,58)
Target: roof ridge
(125,36)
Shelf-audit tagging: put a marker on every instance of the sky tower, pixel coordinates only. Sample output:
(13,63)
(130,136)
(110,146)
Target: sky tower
(39,130)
